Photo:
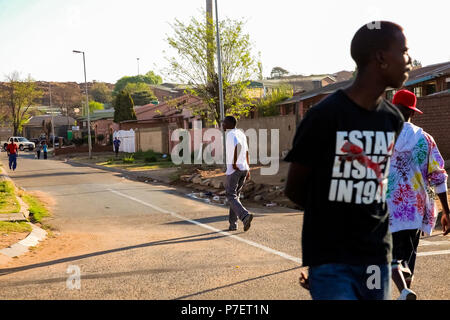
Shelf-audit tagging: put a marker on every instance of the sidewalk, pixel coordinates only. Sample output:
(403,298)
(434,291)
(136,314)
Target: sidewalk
(32,239)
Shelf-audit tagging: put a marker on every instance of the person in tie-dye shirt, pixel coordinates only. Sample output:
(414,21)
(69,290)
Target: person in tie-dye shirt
(416,169)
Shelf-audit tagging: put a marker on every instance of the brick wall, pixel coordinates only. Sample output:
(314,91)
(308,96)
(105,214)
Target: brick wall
(435,120)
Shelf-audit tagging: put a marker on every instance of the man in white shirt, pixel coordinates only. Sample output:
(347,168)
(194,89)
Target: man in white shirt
(238,171)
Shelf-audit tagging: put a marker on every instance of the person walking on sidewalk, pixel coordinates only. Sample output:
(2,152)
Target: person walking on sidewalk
(38,150)
(238,171)
(12,151)
(338,172)
(416,167)
(116,146)
(45,149)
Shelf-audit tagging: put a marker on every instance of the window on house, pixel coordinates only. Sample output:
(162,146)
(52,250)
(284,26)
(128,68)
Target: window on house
(390,95)
(448,83)
(430,88)
(418,91)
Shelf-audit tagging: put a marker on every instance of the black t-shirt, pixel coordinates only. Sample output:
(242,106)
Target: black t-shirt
(348,149)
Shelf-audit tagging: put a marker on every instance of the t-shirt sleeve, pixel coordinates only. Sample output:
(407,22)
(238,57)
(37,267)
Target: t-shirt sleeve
(305,148)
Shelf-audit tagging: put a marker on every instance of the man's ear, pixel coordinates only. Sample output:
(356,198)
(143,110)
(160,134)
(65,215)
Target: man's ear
(380,58)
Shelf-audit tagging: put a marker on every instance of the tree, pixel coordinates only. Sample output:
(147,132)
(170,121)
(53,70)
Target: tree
(101,93)
(417,64)
(149,78)
(268,106)
(18,96)
(94,105)
(123,107)
(66,96)
(192,42)
(278,72)
(141,93)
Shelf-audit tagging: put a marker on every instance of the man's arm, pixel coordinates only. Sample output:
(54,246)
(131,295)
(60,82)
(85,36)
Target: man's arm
(296,184)
(235,167)
(445,220)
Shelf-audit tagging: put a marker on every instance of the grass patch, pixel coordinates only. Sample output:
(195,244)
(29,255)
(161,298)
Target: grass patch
(8,201)
(37,209)
(9,227)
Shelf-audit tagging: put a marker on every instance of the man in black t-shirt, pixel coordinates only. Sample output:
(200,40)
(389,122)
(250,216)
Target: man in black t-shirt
(338,173)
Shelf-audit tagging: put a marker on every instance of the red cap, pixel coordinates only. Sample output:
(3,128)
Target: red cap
(407,99)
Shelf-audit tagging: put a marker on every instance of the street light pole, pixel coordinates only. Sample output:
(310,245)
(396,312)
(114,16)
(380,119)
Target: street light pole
(219,67)
(87,105)
(138,65)
(51,110)
(219,72)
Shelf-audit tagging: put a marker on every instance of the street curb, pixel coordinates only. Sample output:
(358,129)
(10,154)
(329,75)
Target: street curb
(21,247)
(125,173)
(37,234)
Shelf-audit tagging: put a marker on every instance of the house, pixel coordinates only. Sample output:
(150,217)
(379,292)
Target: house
(166,92)
(175,113)
(301,102)
(298,83)
(34,128)
(102,122)
(429,80)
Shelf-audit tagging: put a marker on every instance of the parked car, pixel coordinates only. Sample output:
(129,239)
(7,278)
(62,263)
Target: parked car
(21,142)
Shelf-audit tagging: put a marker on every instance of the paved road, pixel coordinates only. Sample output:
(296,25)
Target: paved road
(132,240)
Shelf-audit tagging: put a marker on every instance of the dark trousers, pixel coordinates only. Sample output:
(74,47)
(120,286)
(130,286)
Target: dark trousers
(13,161)
(233,189)
(45,155)
(38,154)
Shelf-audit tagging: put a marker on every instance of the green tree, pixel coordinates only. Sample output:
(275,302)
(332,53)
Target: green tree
(267,106)
(141,93)
(101,93)
(149,78)
(94,105)
(278,72)
(123,107)
(19,96)
(191,64)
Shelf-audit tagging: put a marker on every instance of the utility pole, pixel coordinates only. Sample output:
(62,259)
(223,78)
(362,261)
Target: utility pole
(209,42)
(51,110)
(87,105)
(138,65)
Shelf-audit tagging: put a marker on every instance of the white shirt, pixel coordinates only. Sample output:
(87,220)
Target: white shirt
(236,137)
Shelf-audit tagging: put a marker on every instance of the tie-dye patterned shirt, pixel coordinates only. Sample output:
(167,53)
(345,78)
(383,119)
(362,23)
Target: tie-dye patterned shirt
(416,166)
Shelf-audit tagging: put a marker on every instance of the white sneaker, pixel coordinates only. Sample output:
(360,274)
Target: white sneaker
(407,294)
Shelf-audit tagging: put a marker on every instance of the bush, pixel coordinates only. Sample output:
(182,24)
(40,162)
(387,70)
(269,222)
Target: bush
(100,138)
(130,159)
(151,159)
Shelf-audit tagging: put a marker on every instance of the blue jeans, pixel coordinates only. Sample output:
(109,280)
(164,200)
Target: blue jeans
(13,161)
(350,282)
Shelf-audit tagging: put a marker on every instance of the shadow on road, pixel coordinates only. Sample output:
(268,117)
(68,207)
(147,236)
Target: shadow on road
(94,254)
(237,283)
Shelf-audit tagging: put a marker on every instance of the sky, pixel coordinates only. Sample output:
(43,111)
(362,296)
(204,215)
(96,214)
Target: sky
(304,37)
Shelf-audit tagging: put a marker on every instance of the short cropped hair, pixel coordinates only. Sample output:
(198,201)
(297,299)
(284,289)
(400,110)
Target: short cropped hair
(370,38)
(231,120)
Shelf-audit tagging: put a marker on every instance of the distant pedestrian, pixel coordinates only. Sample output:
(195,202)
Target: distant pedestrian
(45,149)
(13,152)
(416,167)
(238,171)
(338,172)
(116,146)
(38,150)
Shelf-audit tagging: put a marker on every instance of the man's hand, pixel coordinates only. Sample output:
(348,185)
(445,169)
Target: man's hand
(304,280)
(235,167)
(248,175)
(445,222)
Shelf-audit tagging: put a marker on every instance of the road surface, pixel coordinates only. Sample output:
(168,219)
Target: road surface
(133,240)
